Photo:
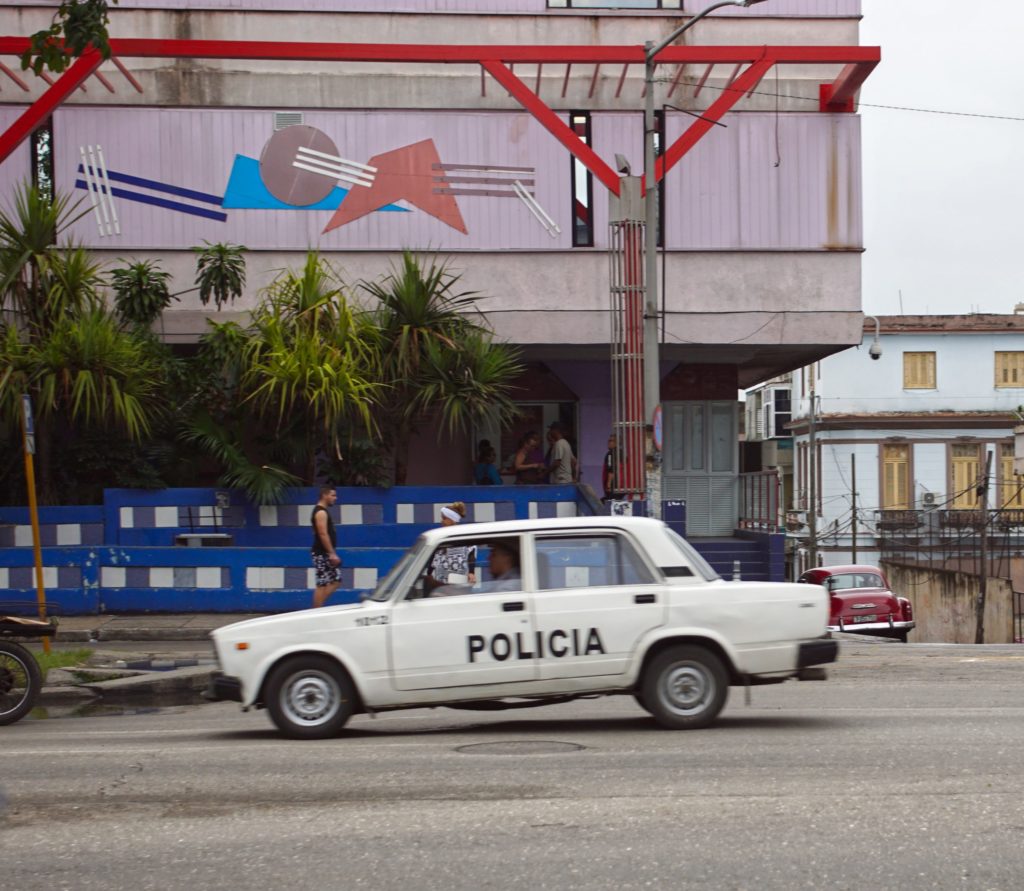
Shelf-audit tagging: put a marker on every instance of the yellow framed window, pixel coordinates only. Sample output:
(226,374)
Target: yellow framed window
(1009,370)
(1011,487)
(965,468)
(919,371)
(896,477)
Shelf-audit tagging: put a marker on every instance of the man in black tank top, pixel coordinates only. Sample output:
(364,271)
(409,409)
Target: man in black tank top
(326,561)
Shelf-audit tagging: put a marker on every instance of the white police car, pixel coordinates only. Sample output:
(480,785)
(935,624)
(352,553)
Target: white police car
(548,610)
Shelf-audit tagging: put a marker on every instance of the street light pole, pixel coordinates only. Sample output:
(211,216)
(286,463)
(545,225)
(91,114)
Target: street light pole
(652,375)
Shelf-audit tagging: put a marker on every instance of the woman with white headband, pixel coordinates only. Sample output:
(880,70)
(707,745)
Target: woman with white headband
(455,564)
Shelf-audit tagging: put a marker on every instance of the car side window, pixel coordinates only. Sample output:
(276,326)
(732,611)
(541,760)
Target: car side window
(467,566)
(588,561)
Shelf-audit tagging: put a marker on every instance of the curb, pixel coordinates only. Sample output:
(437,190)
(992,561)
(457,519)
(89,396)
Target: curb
(193,679)
(133,634)
(152,685)
(65,695)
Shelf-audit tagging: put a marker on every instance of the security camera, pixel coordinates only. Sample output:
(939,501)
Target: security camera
(875,351)
(622,164)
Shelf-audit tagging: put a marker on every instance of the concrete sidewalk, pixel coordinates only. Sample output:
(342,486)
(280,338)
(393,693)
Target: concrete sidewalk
(145,626)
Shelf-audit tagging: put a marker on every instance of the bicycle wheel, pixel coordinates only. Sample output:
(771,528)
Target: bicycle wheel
(20,682)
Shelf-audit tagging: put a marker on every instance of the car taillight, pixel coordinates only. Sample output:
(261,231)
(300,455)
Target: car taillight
(907,609)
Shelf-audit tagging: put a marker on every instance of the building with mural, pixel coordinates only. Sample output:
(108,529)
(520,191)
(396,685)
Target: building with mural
(285,130)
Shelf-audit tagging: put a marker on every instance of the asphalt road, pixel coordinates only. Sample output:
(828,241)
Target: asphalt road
(905,770)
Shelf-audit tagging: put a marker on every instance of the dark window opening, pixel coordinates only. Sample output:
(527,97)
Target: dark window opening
(615,4)
(582,186)
(42,159)
(659,148)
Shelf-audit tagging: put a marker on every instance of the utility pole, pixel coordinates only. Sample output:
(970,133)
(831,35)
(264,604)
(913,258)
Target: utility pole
(853,506)
(812,476)
(651,367)
(979,615)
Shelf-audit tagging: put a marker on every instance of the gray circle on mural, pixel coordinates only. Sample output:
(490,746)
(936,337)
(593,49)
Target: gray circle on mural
(292,184)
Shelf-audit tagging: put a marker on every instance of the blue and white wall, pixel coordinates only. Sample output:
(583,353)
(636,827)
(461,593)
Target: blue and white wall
(122,557)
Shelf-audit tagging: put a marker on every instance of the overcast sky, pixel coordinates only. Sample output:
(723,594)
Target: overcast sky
(943,194)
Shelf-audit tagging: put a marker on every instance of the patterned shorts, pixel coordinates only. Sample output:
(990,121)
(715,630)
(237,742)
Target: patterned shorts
(325,573)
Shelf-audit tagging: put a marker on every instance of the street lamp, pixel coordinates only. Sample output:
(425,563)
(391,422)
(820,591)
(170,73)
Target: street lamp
(652,376)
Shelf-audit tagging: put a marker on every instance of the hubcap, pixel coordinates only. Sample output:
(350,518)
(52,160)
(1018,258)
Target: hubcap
(311,698)
(687,688)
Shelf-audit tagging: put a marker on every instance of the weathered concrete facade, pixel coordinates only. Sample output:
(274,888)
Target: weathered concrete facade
(762,219)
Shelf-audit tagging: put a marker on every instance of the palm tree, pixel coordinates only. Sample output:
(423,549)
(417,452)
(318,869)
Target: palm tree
(220,272)
(141,292)
(434,358)
(28,235)
(61,346)
(289,386)
(311,360)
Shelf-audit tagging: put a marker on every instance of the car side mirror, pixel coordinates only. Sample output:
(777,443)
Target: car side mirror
(416,591)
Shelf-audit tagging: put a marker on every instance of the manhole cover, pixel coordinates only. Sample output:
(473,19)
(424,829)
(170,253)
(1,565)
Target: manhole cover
(520,747)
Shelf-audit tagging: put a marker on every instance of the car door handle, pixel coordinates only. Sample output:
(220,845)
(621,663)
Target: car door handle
(513,606)
(645,598)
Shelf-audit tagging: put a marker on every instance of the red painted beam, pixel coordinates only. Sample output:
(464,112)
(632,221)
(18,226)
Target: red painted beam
(399,52)
(43,107)
(839,95)
(554,124)
(692,135)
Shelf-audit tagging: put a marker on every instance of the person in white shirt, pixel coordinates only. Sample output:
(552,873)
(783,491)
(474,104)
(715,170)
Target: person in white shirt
(563,461)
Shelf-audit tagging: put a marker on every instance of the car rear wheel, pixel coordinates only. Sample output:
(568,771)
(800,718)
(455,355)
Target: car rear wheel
(309,697)
(640,702)
(685,687)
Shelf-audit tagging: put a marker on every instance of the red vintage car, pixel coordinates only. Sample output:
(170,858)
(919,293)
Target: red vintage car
(861,602)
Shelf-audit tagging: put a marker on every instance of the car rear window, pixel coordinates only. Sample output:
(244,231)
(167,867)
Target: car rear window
(851,580)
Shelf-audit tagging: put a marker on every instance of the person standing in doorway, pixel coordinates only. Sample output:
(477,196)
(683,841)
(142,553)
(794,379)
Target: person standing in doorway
(326,562)
(609,469)
(528,463)
(563,461)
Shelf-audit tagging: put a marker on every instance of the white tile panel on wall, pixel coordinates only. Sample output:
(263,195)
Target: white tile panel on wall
(69,534)
(161,577)
(112,576)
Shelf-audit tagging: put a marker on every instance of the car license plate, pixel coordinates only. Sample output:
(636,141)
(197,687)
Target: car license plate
(858,619)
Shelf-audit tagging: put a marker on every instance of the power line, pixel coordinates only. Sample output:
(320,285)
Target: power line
(816,100)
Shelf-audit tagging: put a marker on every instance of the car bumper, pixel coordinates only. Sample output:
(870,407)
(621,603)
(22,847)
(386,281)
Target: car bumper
(816,652)
(223,688)
(881,629)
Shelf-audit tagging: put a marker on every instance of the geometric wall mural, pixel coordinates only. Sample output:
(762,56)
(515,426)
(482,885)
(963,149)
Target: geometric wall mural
(300,168)
(141,190)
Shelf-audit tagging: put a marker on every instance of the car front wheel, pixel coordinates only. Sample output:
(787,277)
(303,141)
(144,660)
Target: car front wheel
(309,697)
(685,687)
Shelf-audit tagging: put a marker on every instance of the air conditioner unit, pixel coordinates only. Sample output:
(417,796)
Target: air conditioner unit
(928,499)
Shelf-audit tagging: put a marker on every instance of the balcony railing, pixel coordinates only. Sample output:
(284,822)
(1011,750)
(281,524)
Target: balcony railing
(760,506)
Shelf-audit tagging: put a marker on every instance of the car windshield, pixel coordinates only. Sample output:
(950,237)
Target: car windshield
(695,560)
(386,586)
(850,580)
